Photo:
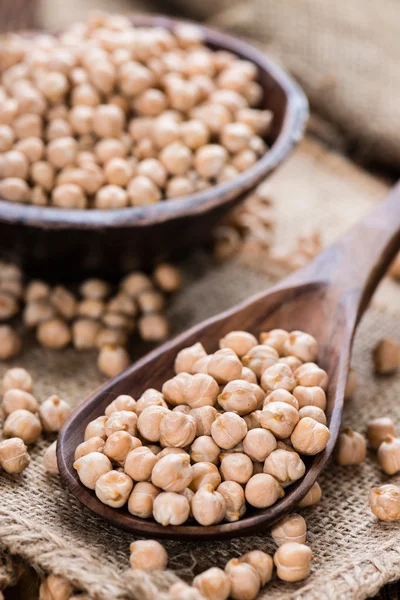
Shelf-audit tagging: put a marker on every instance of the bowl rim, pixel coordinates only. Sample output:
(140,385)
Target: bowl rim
(295,118)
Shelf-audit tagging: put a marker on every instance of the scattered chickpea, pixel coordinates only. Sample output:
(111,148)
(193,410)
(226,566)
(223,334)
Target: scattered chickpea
(310,375)
(54,334)
(148,555)
(153,327)
(313,496)
(280,418)
(378,430)
(389,455)
(15,399)
(285,465)
(228,430)
(22,424)
(213,584)
(386,356)
(112,360)
(293,561)
(50,459)
(10,342)
(351,448)
(244,579)
(14,457)
(53,412)
(351,385)
(261,562)
(17,378)
(291,528)
(384,502)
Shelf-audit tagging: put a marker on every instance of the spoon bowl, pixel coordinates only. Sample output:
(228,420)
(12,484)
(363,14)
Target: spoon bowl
(326,299)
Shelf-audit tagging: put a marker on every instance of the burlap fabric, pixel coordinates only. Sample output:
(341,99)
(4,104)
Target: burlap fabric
(44,525)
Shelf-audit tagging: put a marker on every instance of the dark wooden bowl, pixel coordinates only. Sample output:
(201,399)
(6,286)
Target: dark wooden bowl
(51,241)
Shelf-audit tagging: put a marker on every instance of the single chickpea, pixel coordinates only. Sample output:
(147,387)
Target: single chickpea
(134,78)
(96,428)
(209,160)
(351,385)
(139,463)
(275,338)
(389,455)
(244,579)
(244,160)
(314,413)
(23,424)
(150,103)
(14,190)
(166,132)
(201,365)
(38,312)
(58,128)
(228,430)
(112,360)
(229,98)
(32,147)
(111,337)
(53,412)
(15,399)
(285,465)
(135,283)
(53,85)
(8,111)
(215,116)
(378,430)
(176,158)
(235,501)
(95,289)
(150,301)
(259,358)
(179,186)
(14,457)
(240,342)
(208,506)
(311,375)
(149,398)
(170,508)
(281,395)
(14,164)
(153,327)
(204,473)
(8,306)
(204,449)
(228,173)
(148,555)
(312,497)
(165,451)
(10,342)
(224,366)
(213,584)
(280,418)
(111,197)
(302,345)
(351,448)
(310,396)
(259,120)
(261,562)
(386,356)
(81,119)
(68,195)
(84,334)
(50,459)
(167,277)
(236,136)
(39,197)
(62,151)
(17,378)
(54,334)
(122,402)
(108,120)
(236,467)
(28,125)
(258,444)
(118,446)
(141,500)
(107,149)
(241,397)
(384,502)
(43,174)
(263,490)
(143,191)
(149,422)
(90,467)
(172,473)
(188,35)
(118,171)
(293,561)
(122,420)
(113,488)
(278,376)
(204,416)
(177,430)
(194,134)
(310,437)
(64,302)
(291,528)
(187,357)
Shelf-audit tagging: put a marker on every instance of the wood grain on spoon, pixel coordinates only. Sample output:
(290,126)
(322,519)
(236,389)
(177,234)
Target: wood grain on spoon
(326,298)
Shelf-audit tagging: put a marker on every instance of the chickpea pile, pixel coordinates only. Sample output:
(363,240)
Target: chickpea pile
(25,420)
(224,434)
(108,115)
(95,318)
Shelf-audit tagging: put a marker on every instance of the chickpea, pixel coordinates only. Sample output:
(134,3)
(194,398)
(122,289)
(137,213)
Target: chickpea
(112,360)
(58,128)
(53,85)
(107,149)
(213,584)
(384,502)
(118,446)
(258,120)
(313,496)
(280,418)
(281,395)
(123,420)
(110,337)
(149,422)
(204,449)
(68,195)
(278,376)
(248,375)
(53,412)
(187,357)
(209,160)
(142,191)
(84,334)
(165,451)
(261,562)
(258,444)
(17,379)
(43,174)
(170,508)
(28,125)
(32,148)
(177,430)
(64,302)
(293,561)
(62,151)
(122,402)
(259,358)
(201,390)
(236,467)
(172,473)
(139,463)
(310,437)
(302,345)
(148,555)
(244,160)
(108,120)
(378,430)
(95,289)
(113,488)
(204,473)
(168,278)
(175,390)
(148,398)
(23,424)
(141,500)
(150,103)
(96,428)
(386,356)
(291,528)
(389,455)
(252,420)
(240,342)
(176,158)
(194,133)
(351,448)
(204,416)
(244,579)
(286,466)
(310,396)
(14,190)
(14,457)
(263,490)
(314,413)
(10,342)
(224,366)
(235,501)
(201,365)
(15,399)
(310,375)
(150,301)
(111,197)
(14,164)
(54,334)
(208,506)
(214,116)
(228,430)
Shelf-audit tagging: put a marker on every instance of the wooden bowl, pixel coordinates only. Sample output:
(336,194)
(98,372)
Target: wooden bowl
(52,241)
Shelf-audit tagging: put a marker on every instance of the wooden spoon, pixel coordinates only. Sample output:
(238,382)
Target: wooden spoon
(326,298)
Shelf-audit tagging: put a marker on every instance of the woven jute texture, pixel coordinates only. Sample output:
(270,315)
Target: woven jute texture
(43,524)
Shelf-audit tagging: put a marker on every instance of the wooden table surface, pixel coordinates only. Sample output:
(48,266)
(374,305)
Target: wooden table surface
(23,14)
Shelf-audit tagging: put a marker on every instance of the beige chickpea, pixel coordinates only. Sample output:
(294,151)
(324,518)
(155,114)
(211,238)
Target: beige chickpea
(165,451)
(224,366)
(139,463)
(81,119)
(172,473)
(7,137)
(53,85)
(263,490)
(135,283)
(302,345)
(261,562)
(28,125)
(240,397)
(64,302)
(15,399)
(384,502)
(62,151)
(148,555)
(248,375)
(194,134)
(170,508)
(111,197)
(14,457)
(50,459)
(122,420)
(150,301)
(188,35)
(179,186)
(259,358)
(142,191)
(113,488)
(37,312)
(252,420)
(141,500)
(278,376)
(208,506)
(91,309)
(14,164)
(168,278)
(244,160)
(12,287)
(111,337)
(244,579)
(258,444)
(238,341)
(122,402)
(291,528)
(275,338)
(10,342)
(235,501)
(118,446)
(90,467)
(42,173)
(204,473)
(228,430)
(314,413)
(378,430)
(176,158)
(209,160)
(32,148)
(23,424)
(53,412)
(177,430)
(389,455)
(8,111)
(95,289)
(236,136)
(258,120)
(310,437)
(55,587)
(204,416)
(96,428)
(108,120)
(215,116)
(311,375)
(112,360)
(84,334)
(175,390)
(165,132)
(237,467)
(351,448)
(310,396)
(293,561)
(118,171)
(37,291)
(351,385)
(149,422)
(213,584)
(14,190)
(386,356)
(150,103)
(204,449)
(68,195)
(17,378)
(280,418)
(312,497)
(54,334)
(201,365)
(8,306)
(107,149)
(281,395)
(187,357)
(58,128)
(149,398)
(285,465)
